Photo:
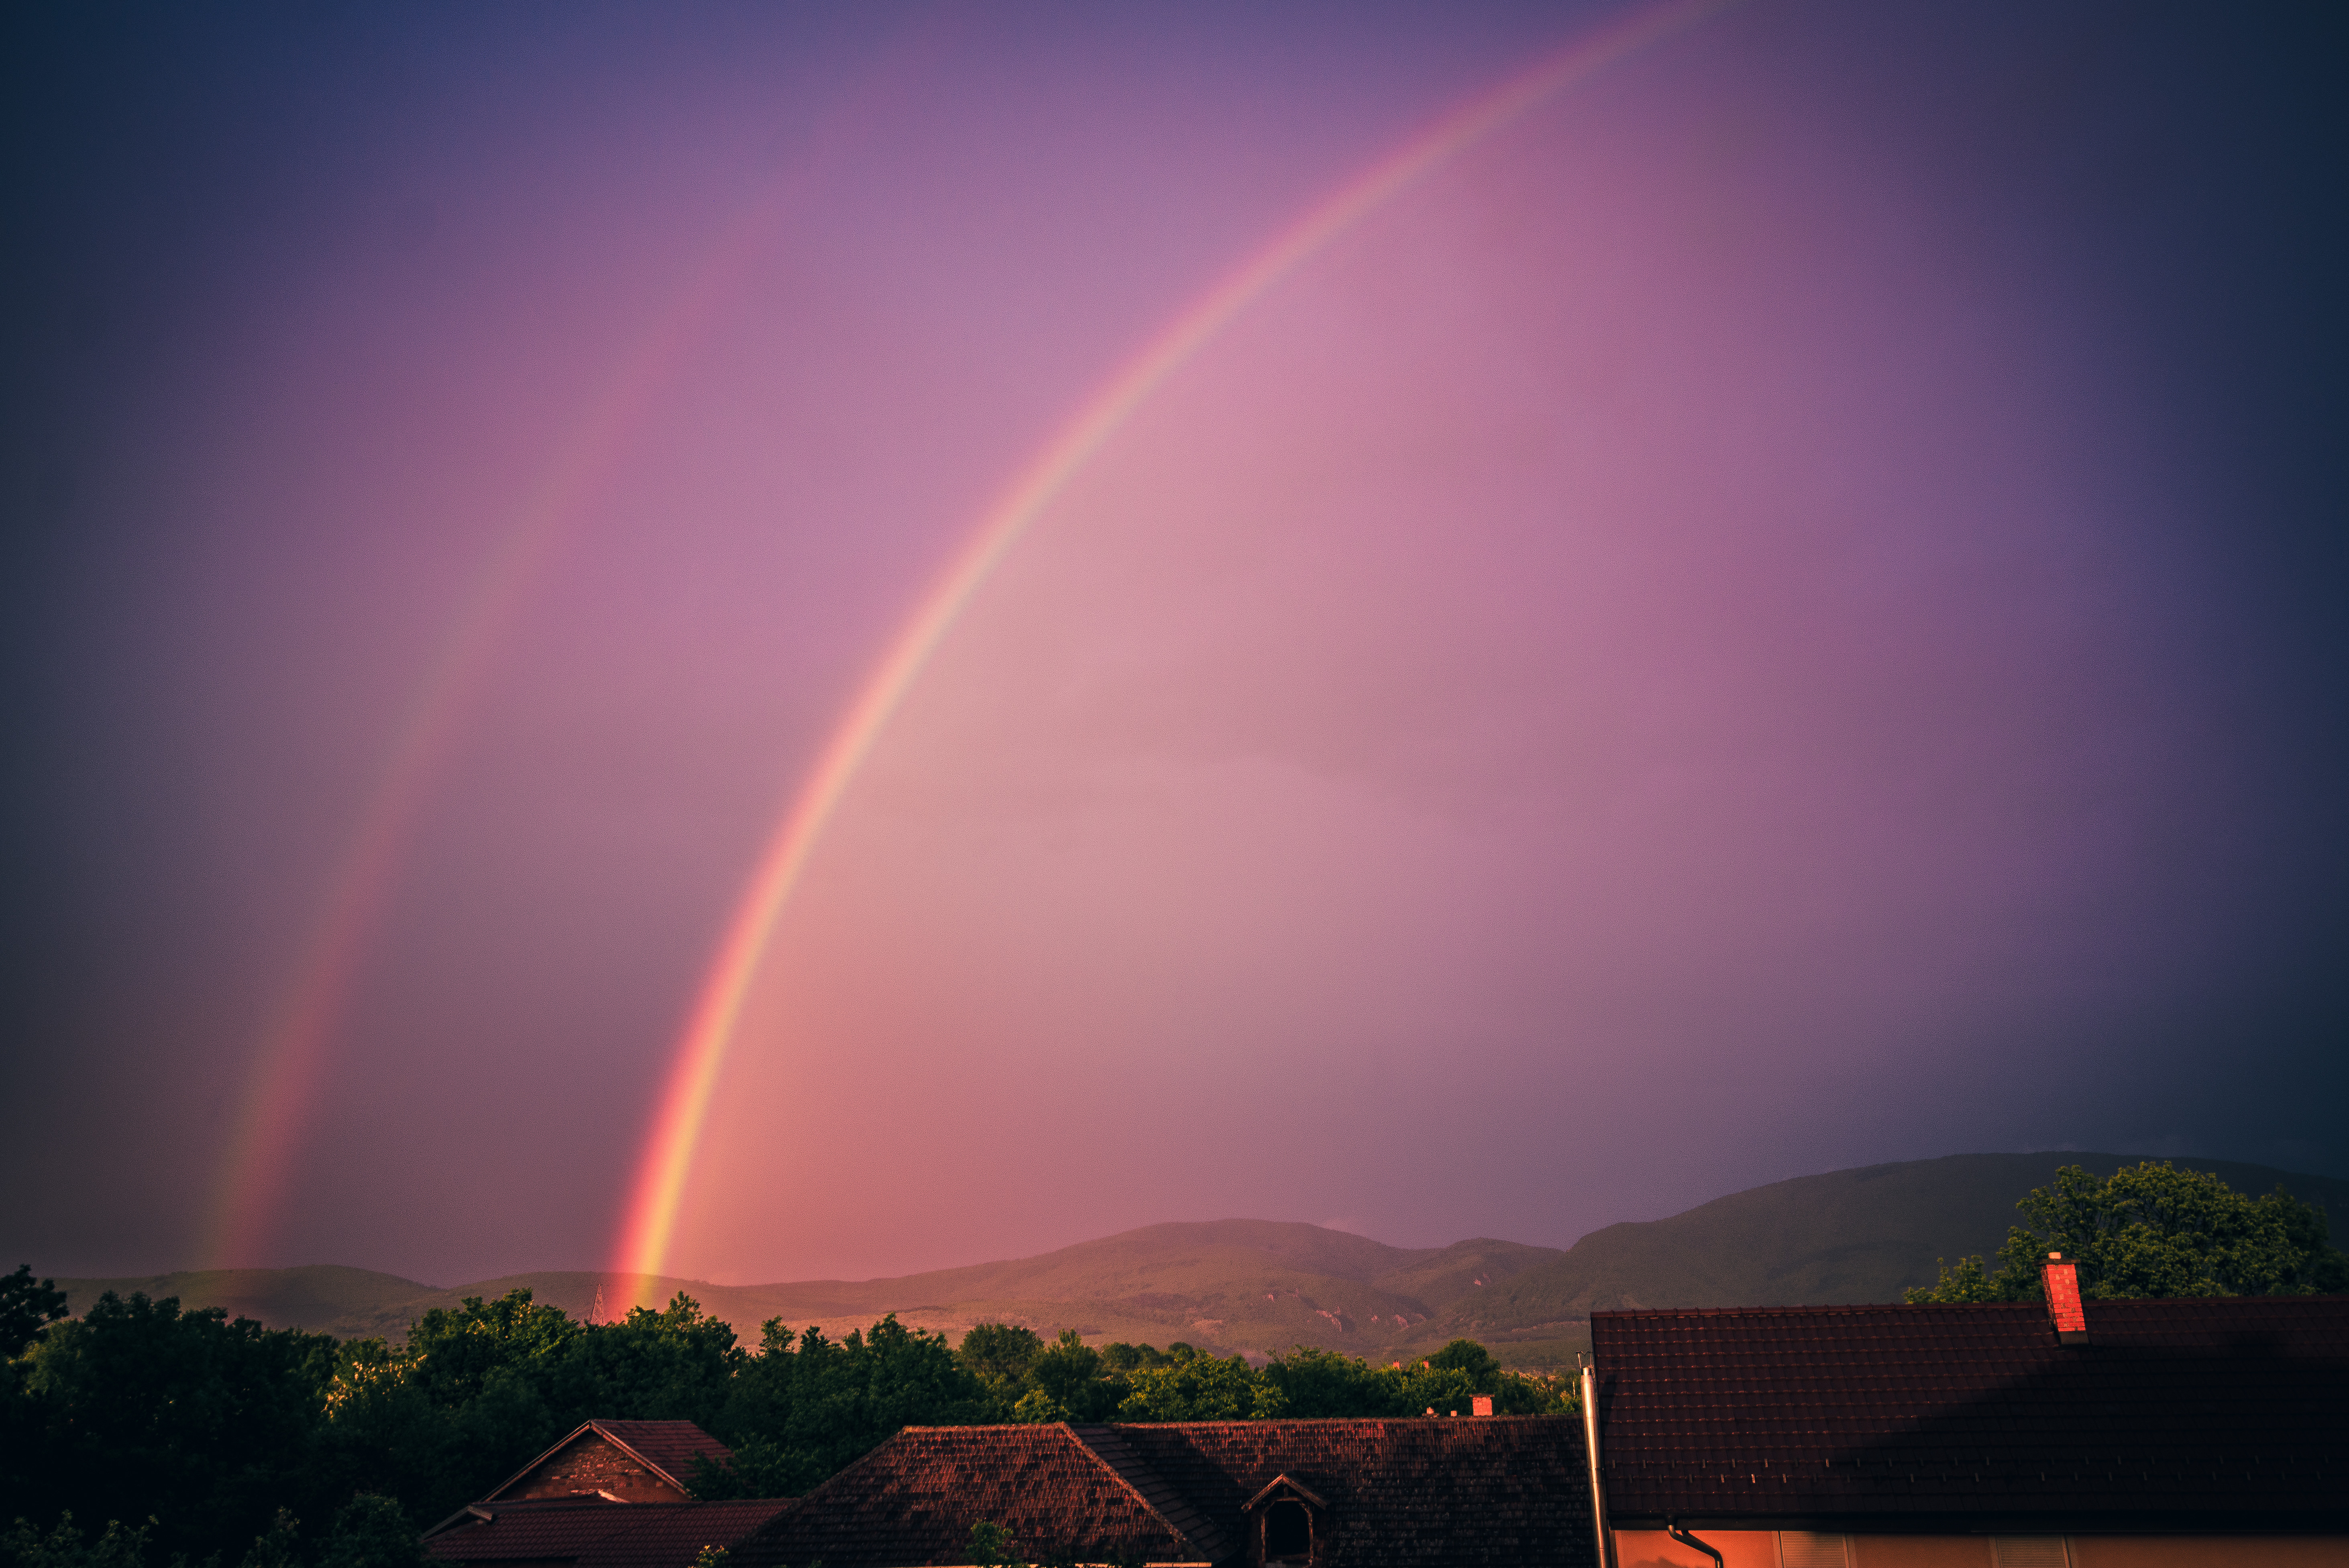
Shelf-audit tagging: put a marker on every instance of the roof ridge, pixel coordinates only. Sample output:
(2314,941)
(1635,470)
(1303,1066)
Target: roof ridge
(1109,1446)
(603,1428)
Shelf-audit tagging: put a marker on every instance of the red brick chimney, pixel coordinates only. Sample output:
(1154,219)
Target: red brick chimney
(2064,1300)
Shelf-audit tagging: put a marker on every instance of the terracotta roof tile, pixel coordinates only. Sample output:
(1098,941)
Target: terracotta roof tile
(1474,1491)
(592,1533)
(674,1536)
(2174,1414)
(670,1447)
(915,1498)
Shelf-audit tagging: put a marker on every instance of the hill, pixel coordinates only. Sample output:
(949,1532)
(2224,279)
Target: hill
(1260,1285)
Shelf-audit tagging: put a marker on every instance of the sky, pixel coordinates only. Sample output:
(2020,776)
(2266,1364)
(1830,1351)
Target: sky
(778,642)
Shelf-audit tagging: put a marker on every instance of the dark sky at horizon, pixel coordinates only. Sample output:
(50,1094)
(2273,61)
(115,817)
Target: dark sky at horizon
(1781,611)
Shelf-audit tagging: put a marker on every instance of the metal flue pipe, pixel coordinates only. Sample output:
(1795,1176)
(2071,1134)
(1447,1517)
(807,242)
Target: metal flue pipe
(1598,1476)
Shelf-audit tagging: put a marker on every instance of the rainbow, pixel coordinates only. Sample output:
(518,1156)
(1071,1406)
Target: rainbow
(650,1217)
(291,1054)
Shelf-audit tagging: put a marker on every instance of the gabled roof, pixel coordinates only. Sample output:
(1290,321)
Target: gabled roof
(1109,1445)
(675,1534)
(915,1498)
(592,1533)
(2174,1415)
(668,1449)
(1459,1492)
(1470,1491)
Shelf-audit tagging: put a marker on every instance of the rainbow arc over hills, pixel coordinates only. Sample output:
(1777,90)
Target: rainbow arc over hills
(656,1193)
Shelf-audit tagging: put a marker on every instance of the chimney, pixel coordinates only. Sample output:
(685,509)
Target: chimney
(1483,1405)
(2064,1300)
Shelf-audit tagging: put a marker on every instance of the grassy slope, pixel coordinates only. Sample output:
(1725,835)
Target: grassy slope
(1845,1236)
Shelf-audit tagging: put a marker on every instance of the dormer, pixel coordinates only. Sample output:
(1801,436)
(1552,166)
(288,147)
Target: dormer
(1286,1525)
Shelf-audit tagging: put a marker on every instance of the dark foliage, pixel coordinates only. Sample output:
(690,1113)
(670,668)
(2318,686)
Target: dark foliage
(2152,1230)
(140,1435)
(804,1408)
(138,1411)
(27,1307)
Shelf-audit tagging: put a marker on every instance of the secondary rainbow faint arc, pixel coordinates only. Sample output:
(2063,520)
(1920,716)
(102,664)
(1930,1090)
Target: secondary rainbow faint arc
(650,1221)
(285,1069)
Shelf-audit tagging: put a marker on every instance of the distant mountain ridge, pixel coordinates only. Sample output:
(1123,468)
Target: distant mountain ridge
(1262,1285)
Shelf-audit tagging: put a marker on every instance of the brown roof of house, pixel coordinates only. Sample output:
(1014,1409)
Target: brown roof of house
(677,1532)
(1482,1491)
(1488,1489)
(915,1498)
(667,1448)
(2175,1415)
(593,1533)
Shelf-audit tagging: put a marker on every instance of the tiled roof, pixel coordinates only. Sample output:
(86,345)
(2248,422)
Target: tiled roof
(592,1533)
(2173,1415)
(669,1447)
(1483,1490)
(1109,1445)
(915,1498)
(1492,1489)
(677,1532)
(559,1528)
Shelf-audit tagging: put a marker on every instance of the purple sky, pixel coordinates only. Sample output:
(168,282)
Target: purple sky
(1771,616)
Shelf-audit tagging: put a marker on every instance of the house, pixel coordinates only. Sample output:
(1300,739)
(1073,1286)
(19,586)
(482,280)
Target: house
(621,1461)
(611,1494)
(1461,1492)
(2103,1434)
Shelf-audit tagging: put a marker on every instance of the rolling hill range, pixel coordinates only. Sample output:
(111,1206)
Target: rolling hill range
(1858,1235)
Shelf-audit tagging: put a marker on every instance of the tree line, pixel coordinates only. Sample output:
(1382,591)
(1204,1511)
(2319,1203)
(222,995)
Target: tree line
(139,1433)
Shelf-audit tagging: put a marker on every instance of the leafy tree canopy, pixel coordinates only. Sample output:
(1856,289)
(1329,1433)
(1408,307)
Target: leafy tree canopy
(139,1410)
(995,1351)
(27,1307)
(2152,1230)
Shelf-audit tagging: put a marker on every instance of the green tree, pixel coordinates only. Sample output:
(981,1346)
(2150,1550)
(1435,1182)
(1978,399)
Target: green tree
(479,1387)
(279,1546)
(372,1531)
(1319,1382)
(1119,1357)
(995,1352)
(208,1426)
(432,1423)
(1964,1283)
(27,1307)
(990,1545)
(800,1410)
(1202,1388)
(1070,1375)
(65,1546)
(2152,1230)
(1468,1356)
(676,1365)
(999,1354)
